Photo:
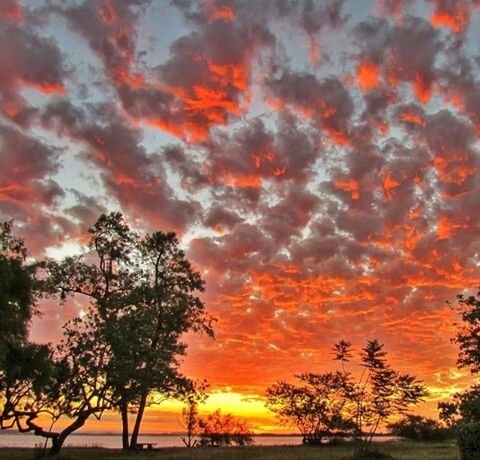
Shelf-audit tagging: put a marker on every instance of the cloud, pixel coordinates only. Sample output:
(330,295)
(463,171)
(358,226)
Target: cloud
(29,61)
(27,193)
(136,179)
(394,49)
(320,165)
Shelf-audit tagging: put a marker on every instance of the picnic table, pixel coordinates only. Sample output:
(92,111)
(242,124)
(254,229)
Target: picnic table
(145,445)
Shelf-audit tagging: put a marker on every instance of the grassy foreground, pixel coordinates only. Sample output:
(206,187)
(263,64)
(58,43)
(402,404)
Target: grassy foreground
(399,450)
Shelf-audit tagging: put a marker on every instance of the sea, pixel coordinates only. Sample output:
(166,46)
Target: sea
(114,441)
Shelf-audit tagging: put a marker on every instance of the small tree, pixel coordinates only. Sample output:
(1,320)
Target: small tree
(223,430)
(340,403)
(462,415)
(190,418)
(378,394)
(317,406)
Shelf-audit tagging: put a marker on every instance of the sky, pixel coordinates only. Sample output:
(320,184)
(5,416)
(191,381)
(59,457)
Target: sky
(318,160)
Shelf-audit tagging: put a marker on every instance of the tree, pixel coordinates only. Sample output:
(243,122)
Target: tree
(37,380)
(462,415)
(379,393)
(190,418)
(17,292)
(145,294)
(338,403)
(468,335)
(418,428)
(223,430)
(317,406)
(23,365)
(464,411)
(65,382)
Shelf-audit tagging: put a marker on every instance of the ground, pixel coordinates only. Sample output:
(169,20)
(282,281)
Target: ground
(398,450)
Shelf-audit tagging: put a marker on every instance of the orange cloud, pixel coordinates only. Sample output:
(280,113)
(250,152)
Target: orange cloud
(253,181)
(11,10)
(47,88)
(456,18)
(217,12)
(107,13)
(368,75)
(414,118)
(389,185)
(349,186)
(422,88)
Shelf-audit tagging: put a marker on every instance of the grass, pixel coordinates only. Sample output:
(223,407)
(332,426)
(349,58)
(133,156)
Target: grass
(398,450)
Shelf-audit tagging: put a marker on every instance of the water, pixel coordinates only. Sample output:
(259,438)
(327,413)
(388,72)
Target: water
(112,441)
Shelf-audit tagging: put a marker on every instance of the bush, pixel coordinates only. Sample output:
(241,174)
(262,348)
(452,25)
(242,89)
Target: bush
(223,430)
(419,428)
(468,438)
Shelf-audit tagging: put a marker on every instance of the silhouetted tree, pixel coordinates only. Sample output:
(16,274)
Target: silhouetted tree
(418,428)
(468,335)
(24,366)
(145,294)
(67,382)
(338,403)
(223,430)
(37,380)
(463,412)
(190,418)
(17,292)
(379,393)
(317,406)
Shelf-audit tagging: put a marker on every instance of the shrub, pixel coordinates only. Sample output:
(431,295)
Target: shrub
(223,430)
(419,428)
(468,438)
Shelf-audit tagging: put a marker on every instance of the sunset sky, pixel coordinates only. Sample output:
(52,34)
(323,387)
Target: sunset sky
(319,161)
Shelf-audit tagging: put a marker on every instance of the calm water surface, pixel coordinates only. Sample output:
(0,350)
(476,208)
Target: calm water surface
(115,441)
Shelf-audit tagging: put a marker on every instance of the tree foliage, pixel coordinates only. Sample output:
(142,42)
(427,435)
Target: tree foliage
(380,393)
(418,428)
(144,294)
(463,411)
(17,291)
(317,406)
(219,429)
(339,402)
(65,382)
(468,334)
(38,380)
(139,295)
(190,417)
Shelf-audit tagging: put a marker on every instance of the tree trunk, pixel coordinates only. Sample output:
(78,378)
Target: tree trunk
(125,434)
(56,446)
(138,420)
(58,441)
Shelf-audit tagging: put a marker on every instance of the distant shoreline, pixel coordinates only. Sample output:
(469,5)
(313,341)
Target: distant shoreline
(93,433)
(166,434)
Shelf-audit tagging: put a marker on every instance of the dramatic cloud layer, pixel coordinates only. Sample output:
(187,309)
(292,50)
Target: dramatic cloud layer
(319,160)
